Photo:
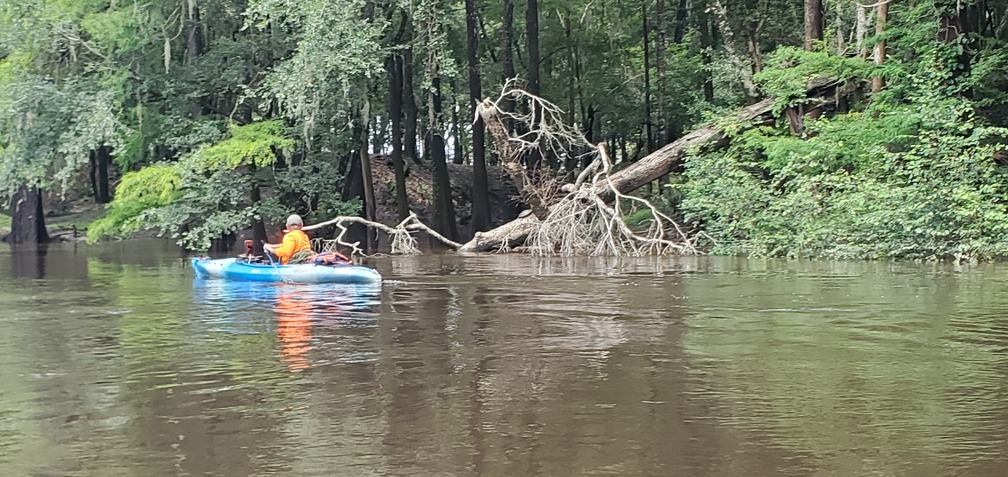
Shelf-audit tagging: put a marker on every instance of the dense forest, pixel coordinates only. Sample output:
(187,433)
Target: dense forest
(883,136)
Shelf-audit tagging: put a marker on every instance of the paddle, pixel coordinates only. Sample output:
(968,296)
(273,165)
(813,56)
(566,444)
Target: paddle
(272,262)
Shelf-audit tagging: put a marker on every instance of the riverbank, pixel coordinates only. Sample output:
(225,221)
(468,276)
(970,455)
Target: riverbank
(65,221)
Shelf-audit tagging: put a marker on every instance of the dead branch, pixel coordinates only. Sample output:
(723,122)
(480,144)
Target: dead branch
(548,132)
(401,236)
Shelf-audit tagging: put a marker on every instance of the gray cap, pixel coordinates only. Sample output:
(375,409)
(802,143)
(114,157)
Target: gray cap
(294,219)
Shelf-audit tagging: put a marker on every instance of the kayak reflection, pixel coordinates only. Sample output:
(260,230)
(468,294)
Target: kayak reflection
(298,309)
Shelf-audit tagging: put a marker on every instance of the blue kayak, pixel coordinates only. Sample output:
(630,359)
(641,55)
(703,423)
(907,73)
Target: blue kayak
(237,269)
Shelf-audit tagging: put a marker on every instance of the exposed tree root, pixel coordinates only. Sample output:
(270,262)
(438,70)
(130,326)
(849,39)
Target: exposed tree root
(581,223)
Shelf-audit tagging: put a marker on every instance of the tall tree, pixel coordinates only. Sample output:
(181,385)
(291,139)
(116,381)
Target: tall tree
(660,49)
(680,22)
(480,194)
(59,97)
(532,45)
(535,158)
(410,109)
(646,31)
(706,45)
(393,65)
(813,23)
(444,206)
(369,212)
(881,15)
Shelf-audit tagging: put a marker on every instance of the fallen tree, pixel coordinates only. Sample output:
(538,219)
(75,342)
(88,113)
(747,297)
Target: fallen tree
(587,216)
(602,230)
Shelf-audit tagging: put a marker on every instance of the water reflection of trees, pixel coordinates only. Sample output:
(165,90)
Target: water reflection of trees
(859,372)
(528,369)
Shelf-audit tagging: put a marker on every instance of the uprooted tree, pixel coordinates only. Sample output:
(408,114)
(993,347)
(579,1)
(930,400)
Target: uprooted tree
(587,216)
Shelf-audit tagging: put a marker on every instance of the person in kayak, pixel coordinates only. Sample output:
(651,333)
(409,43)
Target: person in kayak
(296,247)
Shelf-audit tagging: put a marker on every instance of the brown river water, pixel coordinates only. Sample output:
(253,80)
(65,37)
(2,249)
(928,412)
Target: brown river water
(115,361)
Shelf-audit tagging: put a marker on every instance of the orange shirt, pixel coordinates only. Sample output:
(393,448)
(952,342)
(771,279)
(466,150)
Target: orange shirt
(293,241)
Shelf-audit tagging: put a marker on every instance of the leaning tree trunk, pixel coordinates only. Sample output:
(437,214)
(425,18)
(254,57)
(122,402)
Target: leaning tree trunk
(664,160)
(27,219)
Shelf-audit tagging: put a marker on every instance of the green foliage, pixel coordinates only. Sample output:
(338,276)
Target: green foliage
(207,194)
(335,52)
(790,70)
(312,182)
(253,144)
(152,187)
(47,131)
(918,182)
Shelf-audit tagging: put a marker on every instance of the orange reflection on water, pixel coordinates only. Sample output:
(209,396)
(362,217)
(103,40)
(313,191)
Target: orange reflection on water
(294,328)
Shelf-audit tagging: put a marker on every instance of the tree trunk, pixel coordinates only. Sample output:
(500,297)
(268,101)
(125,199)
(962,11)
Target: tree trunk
(507,58)
(660,47)
(259,236)
(646,31)
(480,193)
(459,150)
(955,27)
(706,45)
(194,34)
(666,159)
(510,160)
(27,220)
(367,179)
(99,174)
(747,64)
(881,15)
(813,23)
(353,184)
(860,30)
(93,176)
(409,108)
(444,208)
(680,22)
(393,65)
(532,45)
(571,75)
